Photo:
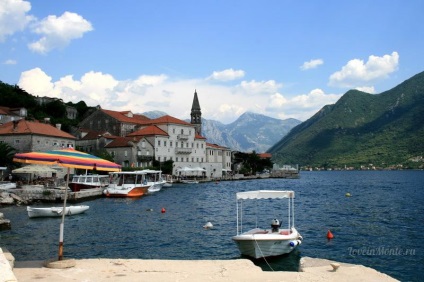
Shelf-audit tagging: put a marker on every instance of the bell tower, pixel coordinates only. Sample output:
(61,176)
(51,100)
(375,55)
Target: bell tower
(196,114)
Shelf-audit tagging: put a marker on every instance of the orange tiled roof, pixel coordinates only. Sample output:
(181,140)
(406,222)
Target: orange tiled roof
(149,130)
(166,120)
(198,136)
(123,142)
(138,119)
(265,155)
(25,127)
(216,146)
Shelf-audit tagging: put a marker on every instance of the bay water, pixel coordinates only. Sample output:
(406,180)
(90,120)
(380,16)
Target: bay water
(376,217)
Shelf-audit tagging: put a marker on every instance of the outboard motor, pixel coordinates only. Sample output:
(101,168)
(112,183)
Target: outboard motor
(275,225)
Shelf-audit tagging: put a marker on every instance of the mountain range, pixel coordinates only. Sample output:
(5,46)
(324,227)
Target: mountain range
(250,132)
(361,130)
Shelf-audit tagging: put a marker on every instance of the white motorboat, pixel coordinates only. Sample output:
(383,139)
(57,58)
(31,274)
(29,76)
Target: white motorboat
(55,211)
(4,186)
(127,184)
(154,180)
(88,181)
(189,181)
(266,242)
(168,180)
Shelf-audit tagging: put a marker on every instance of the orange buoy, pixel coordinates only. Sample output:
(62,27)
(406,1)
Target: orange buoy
(163,210)
(330,235)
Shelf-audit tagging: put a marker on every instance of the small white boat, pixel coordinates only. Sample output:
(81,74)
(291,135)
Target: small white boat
(88,181)
(154,180)
(55,211)
(266,242)
(4,186)
(189,181)
(127,184)
(168,180)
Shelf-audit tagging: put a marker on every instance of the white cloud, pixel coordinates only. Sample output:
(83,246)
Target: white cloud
(301,106)
(57,32)
(356,72)
(227,75)
(13,17)
(259,87)
(221,102)
(311,64)
(38,83)
(10,62)
(367,89)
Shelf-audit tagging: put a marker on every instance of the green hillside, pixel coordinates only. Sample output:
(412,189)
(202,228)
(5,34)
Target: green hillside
(361,129)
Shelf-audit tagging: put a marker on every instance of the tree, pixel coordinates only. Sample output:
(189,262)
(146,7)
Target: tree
(6,155)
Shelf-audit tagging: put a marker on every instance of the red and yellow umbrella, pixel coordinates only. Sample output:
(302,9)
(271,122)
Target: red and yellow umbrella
(69,158)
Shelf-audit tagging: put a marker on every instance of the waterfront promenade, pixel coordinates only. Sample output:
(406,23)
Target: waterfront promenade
(191,271)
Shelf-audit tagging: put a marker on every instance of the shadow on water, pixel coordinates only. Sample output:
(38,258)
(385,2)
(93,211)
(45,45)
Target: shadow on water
(286,262)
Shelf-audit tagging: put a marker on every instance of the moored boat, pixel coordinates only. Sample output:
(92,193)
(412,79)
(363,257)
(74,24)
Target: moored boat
(168,180)
(88,181)
(127,184)
(7,185)
(55,211)
(154,180)
(189,181)
(267,242)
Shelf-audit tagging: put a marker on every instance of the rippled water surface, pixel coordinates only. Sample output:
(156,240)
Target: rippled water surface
(381,225)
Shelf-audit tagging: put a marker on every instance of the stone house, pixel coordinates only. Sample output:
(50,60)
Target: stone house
(9,114)
(27,136)
(135,151)
(117,123)
(218,160)
(91,141)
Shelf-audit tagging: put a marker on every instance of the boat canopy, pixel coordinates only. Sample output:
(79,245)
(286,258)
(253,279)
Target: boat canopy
(265,194)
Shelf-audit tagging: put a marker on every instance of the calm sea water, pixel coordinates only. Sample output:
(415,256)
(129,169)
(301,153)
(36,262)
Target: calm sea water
(381,225)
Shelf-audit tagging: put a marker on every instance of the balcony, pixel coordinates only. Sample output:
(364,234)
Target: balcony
(182,137)
(185,151)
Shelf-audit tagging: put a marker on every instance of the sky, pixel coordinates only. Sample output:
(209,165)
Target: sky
(283,59)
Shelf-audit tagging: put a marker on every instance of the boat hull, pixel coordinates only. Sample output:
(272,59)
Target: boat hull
(264,243)
(55,211)
(132,192)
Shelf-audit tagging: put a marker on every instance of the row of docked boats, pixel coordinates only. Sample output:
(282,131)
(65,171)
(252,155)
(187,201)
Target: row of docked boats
(117,184)
(122,184)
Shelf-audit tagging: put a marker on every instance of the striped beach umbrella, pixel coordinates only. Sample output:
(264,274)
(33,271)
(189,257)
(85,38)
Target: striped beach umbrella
(69,158)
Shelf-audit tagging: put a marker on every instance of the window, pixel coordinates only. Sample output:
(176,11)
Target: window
(125,153)
(158,142)
(17,141)
(164,143)
(170,143)
(182,131)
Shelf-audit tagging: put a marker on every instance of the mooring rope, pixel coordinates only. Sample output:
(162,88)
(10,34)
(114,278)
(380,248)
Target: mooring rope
(262,253)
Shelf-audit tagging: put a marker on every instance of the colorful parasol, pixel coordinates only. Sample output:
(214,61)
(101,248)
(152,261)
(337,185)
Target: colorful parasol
(69,158)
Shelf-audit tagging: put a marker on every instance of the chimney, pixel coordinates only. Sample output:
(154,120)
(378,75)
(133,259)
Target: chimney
(46,120)
(15,124)
(58,125)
